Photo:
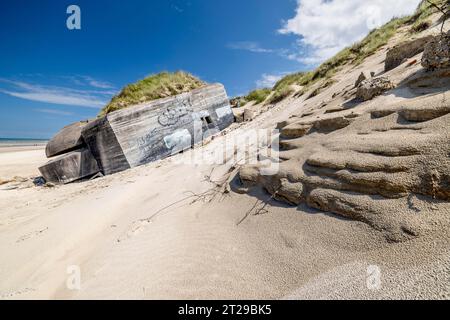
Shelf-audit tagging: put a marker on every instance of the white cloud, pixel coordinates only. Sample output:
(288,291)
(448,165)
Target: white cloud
(269,80)
(251,46)
(81,80)
(328,26)
(255,47)
(55,95)
(53,111)
(98,84)
(57,98)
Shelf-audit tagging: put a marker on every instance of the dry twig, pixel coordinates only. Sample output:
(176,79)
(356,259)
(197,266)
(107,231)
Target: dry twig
(445,9)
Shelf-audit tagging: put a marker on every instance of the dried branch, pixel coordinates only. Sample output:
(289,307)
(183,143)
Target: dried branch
(258,211)
(445,11)
(220,188)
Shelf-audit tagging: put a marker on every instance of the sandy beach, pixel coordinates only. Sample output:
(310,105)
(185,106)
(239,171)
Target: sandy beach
(131,239)
(18,160)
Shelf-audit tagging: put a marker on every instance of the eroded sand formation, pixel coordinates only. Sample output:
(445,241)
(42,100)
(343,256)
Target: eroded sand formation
(367,161)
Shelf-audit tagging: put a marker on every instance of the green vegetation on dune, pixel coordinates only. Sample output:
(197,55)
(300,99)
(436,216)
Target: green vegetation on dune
(375,40)
(259,95)
(294,78)
(157,86)
(419,19)
(420,26)
(353,55)
(281,94)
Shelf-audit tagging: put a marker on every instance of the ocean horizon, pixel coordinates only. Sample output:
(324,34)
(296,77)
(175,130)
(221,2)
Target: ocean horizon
(10,142)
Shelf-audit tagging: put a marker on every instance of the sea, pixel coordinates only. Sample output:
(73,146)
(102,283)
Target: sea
(19,142)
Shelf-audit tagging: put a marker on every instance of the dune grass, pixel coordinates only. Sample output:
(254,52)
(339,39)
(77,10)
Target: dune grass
(156,86)
(353,55)
(281,94)
(420,20)
(259,95)
(420,26)
(294,78)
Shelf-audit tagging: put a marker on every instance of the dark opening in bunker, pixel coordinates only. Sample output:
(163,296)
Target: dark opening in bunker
(207,120)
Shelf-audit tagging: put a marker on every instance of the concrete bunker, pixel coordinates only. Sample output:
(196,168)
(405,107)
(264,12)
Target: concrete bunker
(137,135)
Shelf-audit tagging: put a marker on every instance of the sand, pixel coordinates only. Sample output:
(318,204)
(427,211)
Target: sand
(157,232)
(130,244)
(21,161)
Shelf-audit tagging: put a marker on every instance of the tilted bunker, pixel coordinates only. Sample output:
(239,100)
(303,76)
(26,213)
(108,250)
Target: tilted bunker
(137,135)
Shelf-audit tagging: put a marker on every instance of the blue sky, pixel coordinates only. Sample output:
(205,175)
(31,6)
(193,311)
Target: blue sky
(51,76)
